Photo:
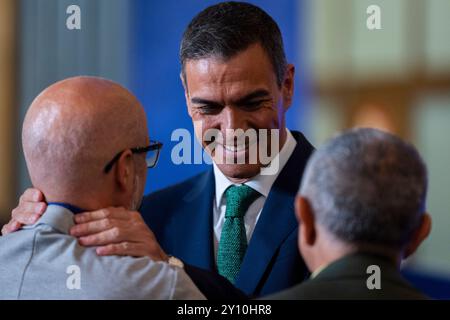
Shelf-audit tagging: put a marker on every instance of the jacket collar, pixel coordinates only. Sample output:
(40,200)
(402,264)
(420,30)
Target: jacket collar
(277,220)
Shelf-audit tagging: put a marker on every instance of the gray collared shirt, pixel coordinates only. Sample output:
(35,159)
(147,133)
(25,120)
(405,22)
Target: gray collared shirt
(43,261)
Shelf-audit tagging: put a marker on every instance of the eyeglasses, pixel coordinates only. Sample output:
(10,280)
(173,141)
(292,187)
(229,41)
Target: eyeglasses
(151,158)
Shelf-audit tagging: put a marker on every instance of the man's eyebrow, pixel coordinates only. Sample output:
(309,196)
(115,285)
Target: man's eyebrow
(261,93)
(205,101)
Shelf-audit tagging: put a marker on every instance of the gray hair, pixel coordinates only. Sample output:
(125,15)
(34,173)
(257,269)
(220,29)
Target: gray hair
(367,186)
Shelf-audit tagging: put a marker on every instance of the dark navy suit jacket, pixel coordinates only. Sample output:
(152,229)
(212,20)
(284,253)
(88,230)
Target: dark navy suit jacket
(181,217)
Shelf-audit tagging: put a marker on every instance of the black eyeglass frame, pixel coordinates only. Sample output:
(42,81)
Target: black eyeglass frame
(154,145)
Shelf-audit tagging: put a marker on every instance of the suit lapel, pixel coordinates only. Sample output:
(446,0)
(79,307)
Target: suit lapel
(196,226)
(277,219)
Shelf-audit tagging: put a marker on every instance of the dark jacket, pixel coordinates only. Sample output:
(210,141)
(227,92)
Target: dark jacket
(346,279)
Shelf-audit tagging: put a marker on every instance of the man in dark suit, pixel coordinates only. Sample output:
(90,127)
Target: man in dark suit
(361,208)
(185,227)
(233,219)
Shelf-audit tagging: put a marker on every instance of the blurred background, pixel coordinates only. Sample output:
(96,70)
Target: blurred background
(396,78)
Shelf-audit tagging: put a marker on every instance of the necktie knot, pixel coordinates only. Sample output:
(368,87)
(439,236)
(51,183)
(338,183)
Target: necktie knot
(238,199)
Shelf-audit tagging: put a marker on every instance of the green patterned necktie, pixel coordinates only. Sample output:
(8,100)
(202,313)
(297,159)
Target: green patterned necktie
(233,239)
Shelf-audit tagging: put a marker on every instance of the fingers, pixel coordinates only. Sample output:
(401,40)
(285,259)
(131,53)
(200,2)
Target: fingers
(10,227)
(28,212)
(112,225)
(30,208)
(123,239)
(89,228)
(122,249)
(133,249)
(113,235)
(90,223)
(113,213)
(32,195)
(117,231)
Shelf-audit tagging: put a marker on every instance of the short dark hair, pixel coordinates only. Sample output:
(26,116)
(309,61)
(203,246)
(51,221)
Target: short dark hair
(227,28)
(367,186)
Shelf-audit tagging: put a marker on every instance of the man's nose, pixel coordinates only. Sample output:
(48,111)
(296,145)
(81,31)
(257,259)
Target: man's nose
(233,119)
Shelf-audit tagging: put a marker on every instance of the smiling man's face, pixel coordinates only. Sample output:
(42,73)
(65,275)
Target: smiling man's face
(239,93)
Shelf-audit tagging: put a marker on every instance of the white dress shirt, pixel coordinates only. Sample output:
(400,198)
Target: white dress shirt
(260,183)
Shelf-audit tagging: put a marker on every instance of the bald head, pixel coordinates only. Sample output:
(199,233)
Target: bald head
(73,128)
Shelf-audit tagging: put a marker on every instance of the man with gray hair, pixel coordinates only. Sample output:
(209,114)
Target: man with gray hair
(361,209)
(86,147)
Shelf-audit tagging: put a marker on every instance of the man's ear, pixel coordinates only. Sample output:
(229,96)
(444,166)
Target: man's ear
(125,170)
(419,236)
(183,83)
(305,218)
(288,86)
(186,93)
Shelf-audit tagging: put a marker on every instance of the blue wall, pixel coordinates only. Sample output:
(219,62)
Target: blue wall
(157,28)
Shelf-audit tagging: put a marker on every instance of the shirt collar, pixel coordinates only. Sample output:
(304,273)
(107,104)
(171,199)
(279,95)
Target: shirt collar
(56,216)
(68,206)
(318,270)
(260,183)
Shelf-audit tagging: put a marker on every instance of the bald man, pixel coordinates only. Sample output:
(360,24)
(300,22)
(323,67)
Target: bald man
(86,147)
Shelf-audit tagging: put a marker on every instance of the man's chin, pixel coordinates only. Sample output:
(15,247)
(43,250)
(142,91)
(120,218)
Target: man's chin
(240,172)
